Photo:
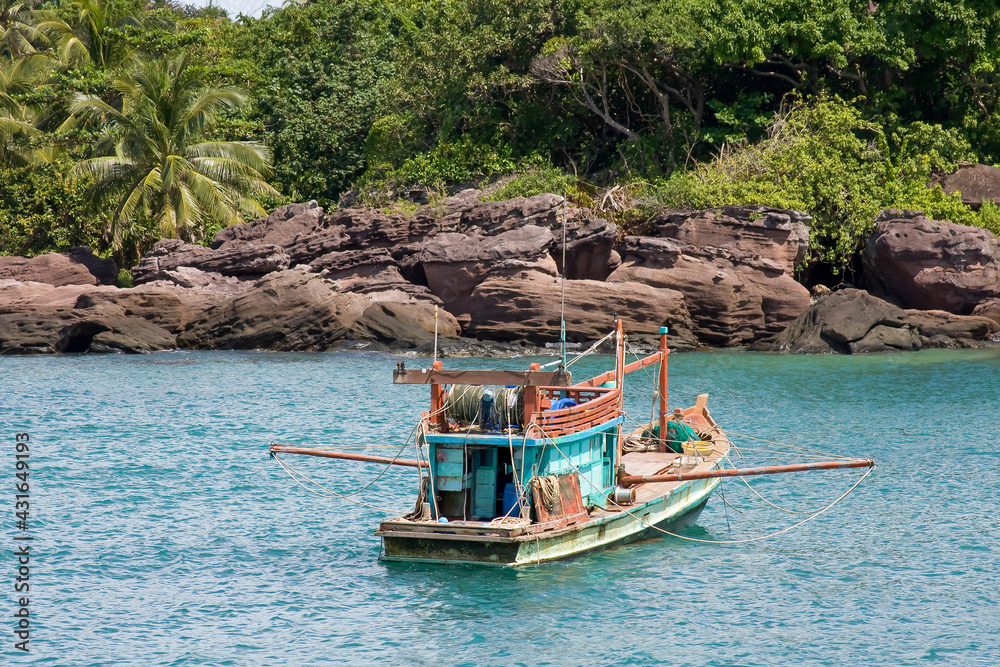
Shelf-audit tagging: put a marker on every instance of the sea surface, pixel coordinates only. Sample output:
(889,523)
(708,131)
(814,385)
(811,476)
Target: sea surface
(163,534)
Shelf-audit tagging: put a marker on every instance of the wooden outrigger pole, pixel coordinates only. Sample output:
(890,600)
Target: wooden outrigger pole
(631,480)
(368,458)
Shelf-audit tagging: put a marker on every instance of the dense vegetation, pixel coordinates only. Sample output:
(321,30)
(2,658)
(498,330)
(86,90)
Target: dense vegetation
(122,121)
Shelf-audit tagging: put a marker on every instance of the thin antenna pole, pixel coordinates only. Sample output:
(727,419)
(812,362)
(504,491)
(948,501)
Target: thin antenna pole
(435,333)
(562,308)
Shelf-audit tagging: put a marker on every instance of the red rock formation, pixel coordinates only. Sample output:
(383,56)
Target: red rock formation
(920,263)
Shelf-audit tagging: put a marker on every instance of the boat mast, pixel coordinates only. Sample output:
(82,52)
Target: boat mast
(663,387)
(562,307)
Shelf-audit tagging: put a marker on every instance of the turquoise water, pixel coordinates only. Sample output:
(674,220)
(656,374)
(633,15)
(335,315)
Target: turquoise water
(165,535)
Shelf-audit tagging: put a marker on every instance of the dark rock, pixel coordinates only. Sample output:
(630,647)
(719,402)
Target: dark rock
(409,322)
(454,264)
(309,247)
(60,330)
(733,298)
(287,310)
(496,217)
(976,182)
(590,241)
(386,280)
(886,339)
(237,258)
(104,269)
(192,278)
(165,304)
(989,308)
(920,263)
(356,263)
(79,267)
(747,232)
(24,297)
(849,320)
(282,226)
(526,306)
(933,323)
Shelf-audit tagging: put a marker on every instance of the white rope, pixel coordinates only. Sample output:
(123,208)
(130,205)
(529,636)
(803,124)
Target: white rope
(295,474)
(589,350)
(695,539)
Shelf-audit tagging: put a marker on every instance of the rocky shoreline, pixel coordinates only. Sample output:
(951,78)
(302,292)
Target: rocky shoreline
(304,279)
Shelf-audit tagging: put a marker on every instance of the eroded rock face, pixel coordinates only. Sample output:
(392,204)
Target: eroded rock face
(287,310)
(847,321)
(526,306)
(455,264)
(281,227)
(236,258)
(989,308)
(920,263)
(48,330)
(297,309)
(749,233)
(22,297)
(976,182)
(938,328)
(78,267)
(165,304)
(734,297)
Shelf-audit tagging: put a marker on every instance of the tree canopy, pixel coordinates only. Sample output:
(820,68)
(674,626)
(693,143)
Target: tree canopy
(837,107)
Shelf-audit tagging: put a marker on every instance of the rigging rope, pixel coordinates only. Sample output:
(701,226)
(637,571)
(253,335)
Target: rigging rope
(293,473)
(695,539)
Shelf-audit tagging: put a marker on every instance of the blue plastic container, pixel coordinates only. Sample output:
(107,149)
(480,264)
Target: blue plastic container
(510,500)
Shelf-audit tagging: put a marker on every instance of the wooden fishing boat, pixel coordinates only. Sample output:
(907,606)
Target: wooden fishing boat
(524,467)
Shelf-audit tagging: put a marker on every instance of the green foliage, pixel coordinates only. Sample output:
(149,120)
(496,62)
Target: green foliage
(125,278)
(988,217)
(824,158)
(314,72)
(154,175)
(534,177)
(40,211)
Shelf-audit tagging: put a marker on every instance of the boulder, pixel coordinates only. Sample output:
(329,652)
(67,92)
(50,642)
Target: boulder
(886,339)
(293,309)
(22,297)
(847,321)
(236,258)
(976,183)
(989,308)
(281,227)
(165,304)
(78,267)
(590,241)
(408,322)
(749,232)
(937,326)
(48,330)
(454,264)
(388,279)
(925,264)
(192,278)
(733,298)
(356,263)
(526,306)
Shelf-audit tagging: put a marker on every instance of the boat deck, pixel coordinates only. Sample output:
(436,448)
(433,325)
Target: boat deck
(636,463)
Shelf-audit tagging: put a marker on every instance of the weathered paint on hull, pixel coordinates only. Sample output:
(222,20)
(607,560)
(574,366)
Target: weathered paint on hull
(679,508)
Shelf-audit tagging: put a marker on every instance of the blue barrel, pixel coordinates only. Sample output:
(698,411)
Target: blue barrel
(510,500)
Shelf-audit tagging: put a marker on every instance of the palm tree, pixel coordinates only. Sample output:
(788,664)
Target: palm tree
(18,33)
(18,119)
(153,171)
(90,38)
